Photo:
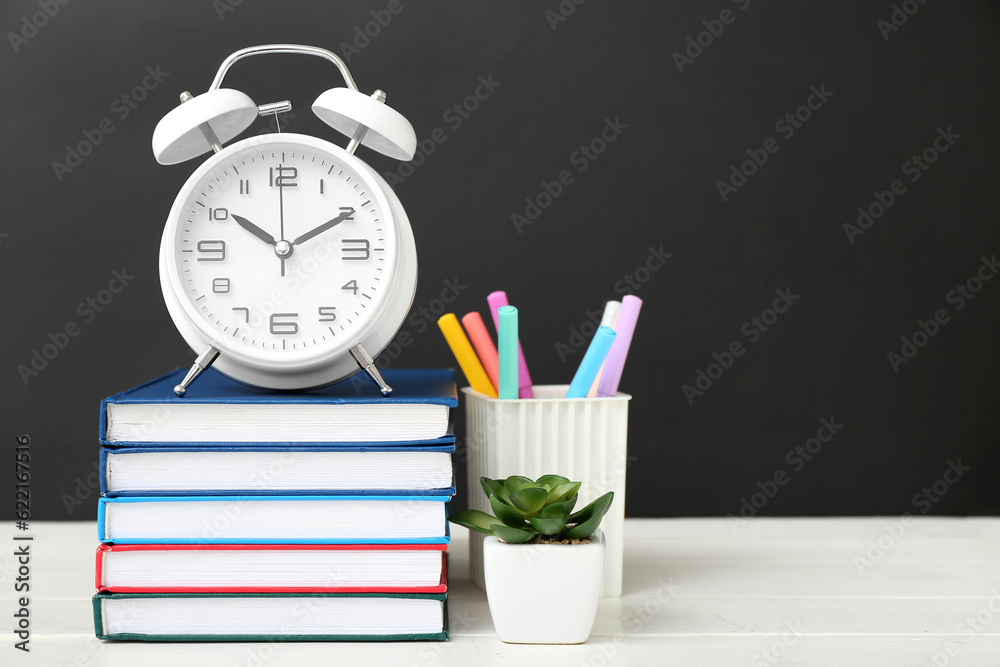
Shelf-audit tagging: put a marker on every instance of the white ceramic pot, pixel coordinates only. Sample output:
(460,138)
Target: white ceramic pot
(543,593)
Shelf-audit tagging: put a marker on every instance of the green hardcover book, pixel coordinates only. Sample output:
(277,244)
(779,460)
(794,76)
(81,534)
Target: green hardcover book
(201,617)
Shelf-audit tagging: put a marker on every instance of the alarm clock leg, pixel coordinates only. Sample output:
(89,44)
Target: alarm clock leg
(367,364)
(203,361)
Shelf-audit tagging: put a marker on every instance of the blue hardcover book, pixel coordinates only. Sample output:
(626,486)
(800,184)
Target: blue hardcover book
(271,469)
(372,519)
(218,409)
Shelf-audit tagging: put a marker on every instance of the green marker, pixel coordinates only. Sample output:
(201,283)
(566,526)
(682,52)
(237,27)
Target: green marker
(507,351)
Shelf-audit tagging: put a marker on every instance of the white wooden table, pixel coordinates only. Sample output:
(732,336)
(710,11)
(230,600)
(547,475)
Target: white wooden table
(696,592)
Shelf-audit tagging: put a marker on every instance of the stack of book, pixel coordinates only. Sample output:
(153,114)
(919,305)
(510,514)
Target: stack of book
(237,514)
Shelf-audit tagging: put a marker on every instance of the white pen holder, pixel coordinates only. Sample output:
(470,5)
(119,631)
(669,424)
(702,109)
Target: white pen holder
(584,439)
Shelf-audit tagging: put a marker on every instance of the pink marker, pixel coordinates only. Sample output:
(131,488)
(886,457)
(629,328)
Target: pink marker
(483,345)
(495,301)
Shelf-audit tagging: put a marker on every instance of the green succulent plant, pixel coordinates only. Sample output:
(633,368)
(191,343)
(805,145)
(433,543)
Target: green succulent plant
(526,510)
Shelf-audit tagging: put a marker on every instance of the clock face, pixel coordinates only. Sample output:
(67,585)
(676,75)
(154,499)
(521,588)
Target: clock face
(282,250)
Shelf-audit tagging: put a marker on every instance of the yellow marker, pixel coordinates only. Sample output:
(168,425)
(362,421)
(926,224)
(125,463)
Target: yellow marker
(465,355)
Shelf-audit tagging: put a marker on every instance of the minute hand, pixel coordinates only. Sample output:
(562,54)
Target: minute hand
(322,228)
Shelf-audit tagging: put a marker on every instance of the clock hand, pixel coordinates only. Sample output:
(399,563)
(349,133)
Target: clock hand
(329,224)
(254,229)
(283,253)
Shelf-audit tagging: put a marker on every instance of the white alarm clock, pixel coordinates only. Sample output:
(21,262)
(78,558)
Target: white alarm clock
(286,262)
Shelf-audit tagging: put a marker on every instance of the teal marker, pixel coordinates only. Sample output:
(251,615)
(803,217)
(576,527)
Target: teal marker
(507,351)
(591,363)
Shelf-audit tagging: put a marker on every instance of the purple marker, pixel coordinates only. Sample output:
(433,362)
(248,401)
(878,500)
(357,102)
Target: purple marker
(615,363)
(495,301)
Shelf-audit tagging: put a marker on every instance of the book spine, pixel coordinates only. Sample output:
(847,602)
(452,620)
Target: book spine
(103,471)
(102,432)
(101,513)
(99,617)
(99,570)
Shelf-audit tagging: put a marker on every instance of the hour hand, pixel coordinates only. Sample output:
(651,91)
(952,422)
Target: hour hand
(254,229)
(346,213)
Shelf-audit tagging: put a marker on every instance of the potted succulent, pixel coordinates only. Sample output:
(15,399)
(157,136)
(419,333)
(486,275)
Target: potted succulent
(543,562)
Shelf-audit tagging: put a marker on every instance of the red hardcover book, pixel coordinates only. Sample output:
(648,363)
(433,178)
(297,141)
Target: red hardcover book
(271,568)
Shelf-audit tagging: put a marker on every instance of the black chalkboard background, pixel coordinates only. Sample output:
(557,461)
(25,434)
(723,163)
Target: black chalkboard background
(746,135)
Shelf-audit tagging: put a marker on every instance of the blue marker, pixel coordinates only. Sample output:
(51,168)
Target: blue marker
(591,363)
